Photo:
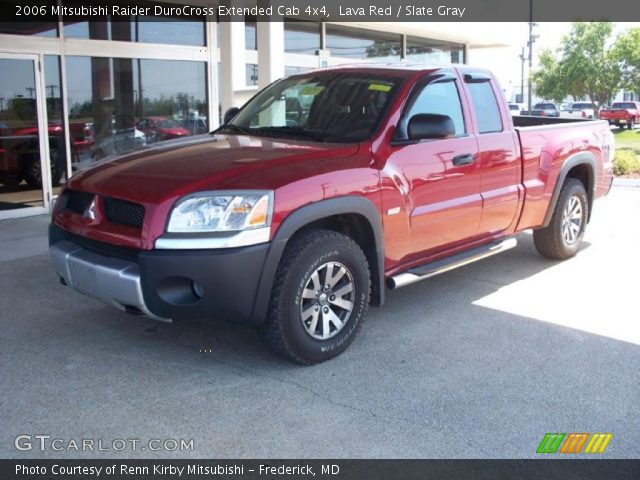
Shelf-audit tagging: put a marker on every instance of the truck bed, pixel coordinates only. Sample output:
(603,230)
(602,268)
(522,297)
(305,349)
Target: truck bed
(535,121)
(545,145)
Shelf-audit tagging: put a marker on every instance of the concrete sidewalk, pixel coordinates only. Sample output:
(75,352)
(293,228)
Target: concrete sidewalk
(23,237)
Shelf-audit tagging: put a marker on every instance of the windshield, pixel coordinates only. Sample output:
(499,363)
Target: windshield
(623,105)
(544,106)
(325,106)
(581,106)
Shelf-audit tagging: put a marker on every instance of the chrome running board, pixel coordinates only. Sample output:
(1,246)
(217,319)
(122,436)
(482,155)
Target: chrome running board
(440,266)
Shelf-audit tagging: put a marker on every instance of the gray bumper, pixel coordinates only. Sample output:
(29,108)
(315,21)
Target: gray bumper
(111,280)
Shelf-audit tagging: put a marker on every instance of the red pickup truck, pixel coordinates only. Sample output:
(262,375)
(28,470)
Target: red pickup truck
(621,114)
(322,191)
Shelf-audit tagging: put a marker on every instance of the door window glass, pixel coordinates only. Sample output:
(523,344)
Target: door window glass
(441,98)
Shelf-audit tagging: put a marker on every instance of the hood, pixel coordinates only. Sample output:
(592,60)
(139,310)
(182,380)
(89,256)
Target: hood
(210,162)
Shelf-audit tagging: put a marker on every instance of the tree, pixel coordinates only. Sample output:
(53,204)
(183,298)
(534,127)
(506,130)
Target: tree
(585,64)
(548,79)
(628,52)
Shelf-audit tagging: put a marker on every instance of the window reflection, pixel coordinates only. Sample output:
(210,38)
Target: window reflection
(139,29)
(251,74)
(433,52)
(347,42)
(250,33)
(127,104)
(301,37)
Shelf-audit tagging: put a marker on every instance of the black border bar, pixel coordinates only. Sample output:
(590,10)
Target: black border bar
(338,10)
(565,469)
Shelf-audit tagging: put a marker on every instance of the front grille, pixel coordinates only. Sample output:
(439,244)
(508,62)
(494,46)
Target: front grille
(76,201)
(104,248)
(123,212)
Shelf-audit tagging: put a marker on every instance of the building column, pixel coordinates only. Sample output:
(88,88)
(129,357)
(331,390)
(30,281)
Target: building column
(270,52)
(212,74)
(232,62)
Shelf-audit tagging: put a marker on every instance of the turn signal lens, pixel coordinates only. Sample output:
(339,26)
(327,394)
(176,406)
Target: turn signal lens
(259,214)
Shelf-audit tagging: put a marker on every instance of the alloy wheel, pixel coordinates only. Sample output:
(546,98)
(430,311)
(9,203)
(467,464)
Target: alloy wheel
(572,220)
(327,300)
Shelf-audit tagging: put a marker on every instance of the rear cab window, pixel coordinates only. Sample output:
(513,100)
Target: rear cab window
(485,105)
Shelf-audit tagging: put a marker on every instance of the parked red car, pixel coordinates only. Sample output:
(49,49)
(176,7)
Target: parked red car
(385,175)
(20,152)
(622,113)
(158,129)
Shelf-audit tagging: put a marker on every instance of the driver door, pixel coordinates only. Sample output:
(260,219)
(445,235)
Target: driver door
(442,176)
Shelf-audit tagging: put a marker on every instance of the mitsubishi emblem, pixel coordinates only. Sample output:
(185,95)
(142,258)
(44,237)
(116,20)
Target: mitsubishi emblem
(90,212)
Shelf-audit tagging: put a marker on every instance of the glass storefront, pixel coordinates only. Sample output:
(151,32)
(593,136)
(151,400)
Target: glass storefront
(250,33)
(359,44)
(301,37)
(22,161)
(433,52)
(121,104)
(19,141)
(251,74)
(140,29)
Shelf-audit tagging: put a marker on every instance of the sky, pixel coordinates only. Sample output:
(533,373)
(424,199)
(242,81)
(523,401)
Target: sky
(505,61)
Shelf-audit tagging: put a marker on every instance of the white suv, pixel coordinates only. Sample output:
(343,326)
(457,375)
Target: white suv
(579,110)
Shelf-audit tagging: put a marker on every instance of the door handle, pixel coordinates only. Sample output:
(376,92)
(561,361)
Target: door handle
(464,159)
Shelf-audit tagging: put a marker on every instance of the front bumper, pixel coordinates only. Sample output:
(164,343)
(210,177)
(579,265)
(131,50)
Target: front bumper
(111,280)
(165,284)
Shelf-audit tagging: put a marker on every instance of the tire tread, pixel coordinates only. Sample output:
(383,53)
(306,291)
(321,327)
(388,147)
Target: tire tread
(548,240)
(271,330)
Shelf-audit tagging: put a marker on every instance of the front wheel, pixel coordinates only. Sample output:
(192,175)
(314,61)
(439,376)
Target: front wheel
(561,239)
(320,297)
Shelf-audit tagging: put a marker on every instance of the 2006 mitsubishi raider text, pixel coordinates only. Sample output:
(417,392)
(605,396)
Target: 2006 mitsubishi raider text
(323,190)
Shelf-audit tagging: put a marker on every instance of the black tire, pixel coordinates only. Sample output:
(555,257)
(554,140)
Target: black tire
(631,124)
(557,240)
(33,171)
(285,329)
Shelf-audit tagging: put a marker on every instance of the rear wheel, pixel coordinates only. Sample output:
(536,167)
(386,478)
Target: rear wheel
(320,297)
(561,239)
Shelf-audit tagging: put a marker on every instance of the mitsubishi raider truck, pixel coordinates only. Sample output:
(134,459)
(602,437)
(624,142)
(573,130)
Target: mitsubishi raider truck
(320,193)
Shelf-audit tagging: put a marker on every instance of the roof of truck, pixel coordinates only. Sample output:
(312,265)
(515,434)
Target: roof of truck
(409,67)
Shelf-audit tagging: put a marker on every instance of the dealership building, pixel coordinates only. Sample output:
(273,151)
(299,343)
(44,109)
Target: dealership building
(74,91)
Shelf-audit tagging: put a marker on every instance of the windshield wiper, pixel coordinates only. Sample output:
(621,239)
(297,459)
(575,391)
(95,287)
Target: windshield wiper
(293,131)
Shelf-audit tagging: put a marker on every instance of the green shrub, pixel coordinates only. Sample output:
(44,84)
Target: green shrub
(626,162)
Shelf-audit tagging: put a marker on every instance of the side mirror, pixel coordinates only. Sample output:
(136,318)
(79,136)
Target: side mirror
(425,126)
(229,114)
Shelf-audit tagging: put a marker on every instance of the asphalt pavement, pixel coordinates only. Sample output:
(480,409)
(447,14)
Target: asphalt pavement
(480,362)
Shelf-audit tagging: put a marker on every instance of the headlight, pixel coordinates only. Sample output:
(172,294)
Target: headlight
(221,212)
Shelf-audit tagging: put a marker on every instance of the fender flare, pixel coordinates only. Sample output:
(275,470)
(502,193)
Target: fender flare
(304,216)
(582,158)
